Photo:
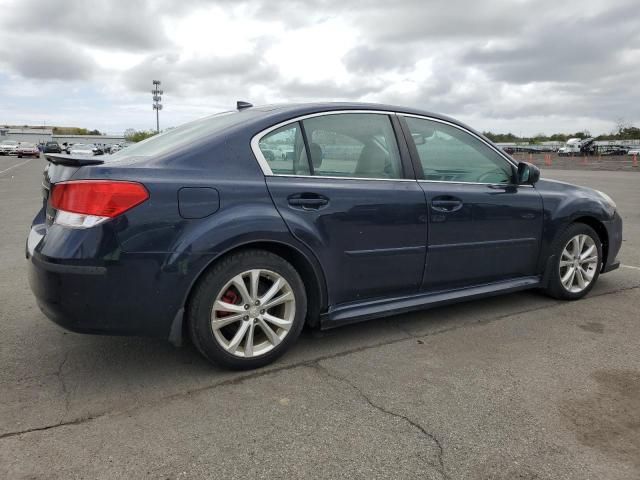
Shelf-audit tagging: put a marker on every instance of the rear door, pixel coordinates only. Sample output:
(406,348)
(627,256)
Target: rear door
(483,227)
(341,184)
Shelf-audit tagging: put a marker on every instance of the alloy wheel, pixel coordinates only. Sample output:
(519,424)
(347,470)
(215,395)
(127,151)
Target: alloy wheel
(253,313)
(578,263)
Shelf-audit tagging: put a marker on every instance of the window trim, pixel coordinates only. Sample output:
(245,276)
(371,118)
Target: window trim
(266,169)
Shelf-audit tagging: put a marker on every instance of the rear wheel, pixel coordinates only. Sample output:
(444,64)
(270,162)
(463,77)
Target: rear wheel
(247,310)
(577,263)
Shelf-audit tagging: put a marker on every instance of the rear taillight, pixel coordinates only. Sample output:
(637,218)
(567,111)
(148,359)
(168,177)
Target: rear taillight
(86,203)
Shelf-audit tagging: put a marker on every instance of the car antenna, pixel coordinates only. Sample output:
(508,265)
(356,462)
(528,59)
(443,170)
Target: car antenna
(240,105)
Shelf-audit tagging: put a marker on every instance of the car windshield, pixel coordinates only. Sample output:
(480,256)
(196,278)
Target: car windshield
(82,146)
(10,142)
(27,145)
(182,135)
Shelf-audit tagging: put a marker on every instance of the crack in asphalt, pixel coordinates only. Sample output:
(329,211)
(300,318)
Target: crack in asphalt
(306,363)
(63,384)
(440,468)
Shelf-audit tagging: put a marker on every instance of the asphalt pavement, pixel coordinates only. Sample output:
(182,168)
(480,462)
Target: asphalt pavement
(514,387)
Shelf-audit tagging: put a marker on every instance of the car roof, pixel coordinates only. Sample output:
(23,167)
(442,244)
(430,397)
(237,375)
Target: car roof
(298,109)
(264,116)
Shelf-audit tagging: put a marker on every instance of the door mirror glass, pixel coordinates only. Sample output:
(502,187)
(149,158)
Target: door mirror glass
(528,174)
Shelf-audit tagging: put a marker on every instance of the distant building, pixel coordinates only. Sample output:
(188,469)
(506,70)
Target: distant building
(95,139)
(43,135)
(30,135)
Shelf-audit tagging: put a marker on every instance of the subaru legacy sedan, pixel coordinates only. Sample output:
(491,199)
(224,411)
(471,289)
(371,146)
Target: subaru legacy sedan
(239,229)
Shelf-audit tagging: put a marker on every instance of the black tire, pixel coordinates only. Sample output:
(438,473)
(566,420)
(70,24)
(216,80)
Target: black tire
(210,285)
(555,288)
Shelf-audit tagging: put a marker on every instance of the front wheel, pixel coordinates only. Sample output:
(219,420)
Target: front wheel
(576,267)
(247,310)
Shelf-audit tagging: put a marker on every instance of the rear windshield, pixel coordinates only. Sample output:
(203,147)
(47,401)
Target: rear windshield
(181,136)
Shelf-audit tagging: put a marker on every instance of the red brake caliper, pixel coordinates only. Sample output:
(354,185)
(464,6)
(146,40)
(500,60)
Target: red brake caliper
(230,296)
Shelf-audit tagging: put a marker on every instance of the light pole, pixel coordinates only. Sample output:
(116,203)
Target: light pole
(157,106)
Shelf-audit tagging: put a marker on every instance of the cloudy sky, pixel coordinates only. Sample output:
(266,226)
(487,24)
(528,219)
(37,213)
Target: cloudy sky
(502,65)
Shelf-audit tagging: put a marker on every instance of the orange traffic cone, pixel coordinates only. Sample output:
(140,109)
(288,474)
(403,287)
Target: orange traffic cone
(635,160)
(547,160)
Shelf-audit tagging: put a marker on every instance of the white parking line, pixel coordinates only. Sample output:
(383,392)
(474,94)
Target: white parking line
(12,167)
(630,266)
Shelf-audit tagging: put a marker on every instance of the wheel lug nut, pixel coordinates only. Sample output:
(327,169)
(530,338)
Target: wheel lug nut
(246,307)
(257,302)
(246,317)
(261,312)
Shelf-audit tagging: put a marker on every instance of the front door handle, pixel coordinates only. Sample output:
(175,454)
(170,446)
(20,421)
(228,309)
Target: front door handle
(308,201)
(448,205)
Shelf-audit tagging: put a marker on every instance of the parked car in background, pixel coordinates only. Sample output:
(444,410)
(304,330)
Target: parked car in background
(612,150)
(115,148)
(52,147)
(374,210)
(634,151)
(9,147)
(84,149)
(26,149)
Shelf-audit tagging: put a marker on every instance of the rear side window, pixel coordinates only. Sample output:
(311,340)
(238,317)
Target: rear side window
(450,154)
(353,145)
(284,151)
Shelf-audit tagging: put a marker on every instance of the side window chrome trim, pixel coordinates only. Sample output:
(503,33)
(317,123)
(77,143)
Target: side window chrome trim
(475,135)
(326,177)
(264,165)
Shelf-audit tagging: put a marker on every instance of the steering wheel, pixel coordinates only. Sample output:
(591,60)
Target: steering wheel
(496,171)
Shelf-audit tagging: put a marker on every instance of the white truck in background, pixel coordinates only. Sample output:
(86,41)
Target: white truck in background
(575,146)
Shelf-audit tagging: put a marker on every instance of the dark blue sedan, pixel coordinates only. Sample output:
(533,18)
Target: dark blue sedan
(240,228)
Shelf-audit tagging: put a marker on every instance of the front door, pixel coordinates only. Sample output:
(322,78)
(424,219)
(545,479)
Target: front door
(483,227)
(351,203)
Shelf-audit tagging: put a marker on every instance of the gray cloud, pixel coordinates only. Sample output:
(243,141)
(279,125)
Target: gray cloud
(367,59)
(48,60)
(130,26)
(574,50)
(200,76)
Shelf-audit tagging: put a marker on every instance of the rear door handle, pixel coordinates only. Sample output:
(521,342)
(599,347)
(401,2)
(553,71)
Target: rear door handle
(446,205)
(308,201)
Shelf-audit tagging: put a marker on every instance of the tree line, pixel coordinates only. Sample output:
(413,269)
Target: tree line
(622,132)
(132,135)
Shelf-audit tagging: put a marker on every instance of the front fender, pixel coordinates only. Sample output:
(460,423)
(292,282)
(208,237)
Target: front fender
(563,204)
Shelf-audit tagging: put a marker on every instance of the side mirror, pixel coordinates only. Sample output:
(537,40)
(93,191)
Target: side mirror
(528,174)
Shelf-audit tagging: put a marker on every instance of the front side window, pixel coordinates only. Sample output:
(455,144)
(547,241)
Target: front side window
(450,154)
(360,145)
(284,151)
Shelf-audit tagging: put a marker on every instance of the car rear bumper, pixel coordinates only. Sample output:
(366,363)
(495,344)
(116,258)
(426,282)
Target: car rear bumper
(614,235)
(137,294)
